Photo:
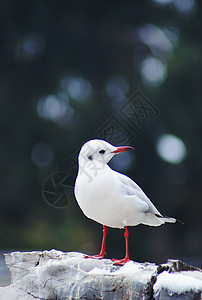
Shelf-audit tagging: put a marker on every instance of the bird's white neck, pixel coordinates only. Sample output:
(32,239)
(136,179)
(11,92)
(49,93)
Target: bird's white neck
(92,169)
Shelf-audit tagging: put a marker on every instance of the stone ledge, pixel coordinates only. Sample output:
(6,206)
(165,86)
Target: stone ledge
(54,274)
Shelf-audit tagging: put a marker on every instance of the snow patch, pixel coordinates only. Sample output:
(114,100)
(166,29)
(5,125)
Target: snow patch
(129,268)
(179,282)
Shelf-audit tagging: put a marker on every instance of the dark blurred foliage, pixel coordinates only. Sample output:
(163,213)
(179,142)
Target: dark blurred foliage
(73,52)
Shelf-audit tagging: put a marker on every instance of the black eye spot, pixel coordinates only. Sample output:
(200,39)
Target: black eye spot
(90,157)
(102,151)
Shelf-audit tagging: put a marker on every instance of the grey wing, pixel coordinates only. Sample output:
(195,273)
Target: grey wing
(130,188)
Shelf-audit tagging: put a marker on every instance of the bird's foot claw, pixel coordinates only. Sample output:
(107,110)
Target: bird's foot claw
(99,256)
(120,262)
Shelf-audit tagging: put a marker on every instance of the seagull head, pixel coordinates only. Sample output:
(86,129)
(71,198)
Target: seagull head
(99,151)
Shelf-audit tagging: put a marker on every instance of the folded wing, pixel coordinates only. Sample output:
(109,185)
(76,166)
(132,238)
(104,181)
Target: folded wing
(153,216)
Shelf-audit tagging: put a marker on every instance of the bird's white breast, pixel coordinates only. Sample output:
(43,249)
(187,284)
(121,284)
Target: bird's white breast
(101,198)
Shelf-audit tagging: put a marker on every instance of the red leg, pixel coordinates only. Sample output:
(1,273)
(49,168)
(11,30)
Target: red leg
(102,251)
(126,259)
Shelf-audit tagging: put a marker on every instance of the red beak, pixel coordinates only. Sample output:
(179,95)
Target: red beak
(122,149)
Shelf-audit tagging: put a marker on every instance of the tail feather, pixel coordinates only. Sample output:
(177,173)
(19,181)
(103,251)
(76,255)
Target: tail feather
(168,219)
(157,220)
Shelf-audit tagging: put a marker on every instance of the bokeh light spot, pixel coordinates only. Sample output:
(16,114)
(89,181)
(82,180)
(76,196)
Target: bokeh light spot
(30,47)
(55,108)
(116,88)
(77,87)
(153,71)
(42,155)
(155,38)
(171,148)
(184,6)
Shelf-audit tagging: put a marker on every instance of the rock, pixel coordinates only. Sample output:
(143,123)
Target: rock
(54,274)
(4,273)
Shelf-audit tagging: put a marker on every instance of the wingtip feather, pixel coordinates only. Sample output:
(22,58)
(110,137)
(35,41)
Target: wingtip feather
(170,219)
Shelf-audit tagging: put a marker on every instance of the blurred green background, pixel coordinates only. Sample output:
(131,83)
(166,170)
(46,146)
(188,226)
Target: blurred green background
(66,68)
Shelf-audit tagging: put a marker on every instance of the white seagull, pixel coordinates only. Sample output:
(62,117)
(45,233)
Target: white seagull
(109,197)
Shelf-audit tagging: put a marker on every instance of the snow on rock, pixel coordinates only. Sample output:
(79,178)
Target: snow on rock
(59,275)
(179,282)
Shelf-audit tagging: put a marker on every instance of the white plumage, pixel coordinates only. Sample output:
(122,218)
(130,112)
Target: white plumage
(108,197)
(111,198)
